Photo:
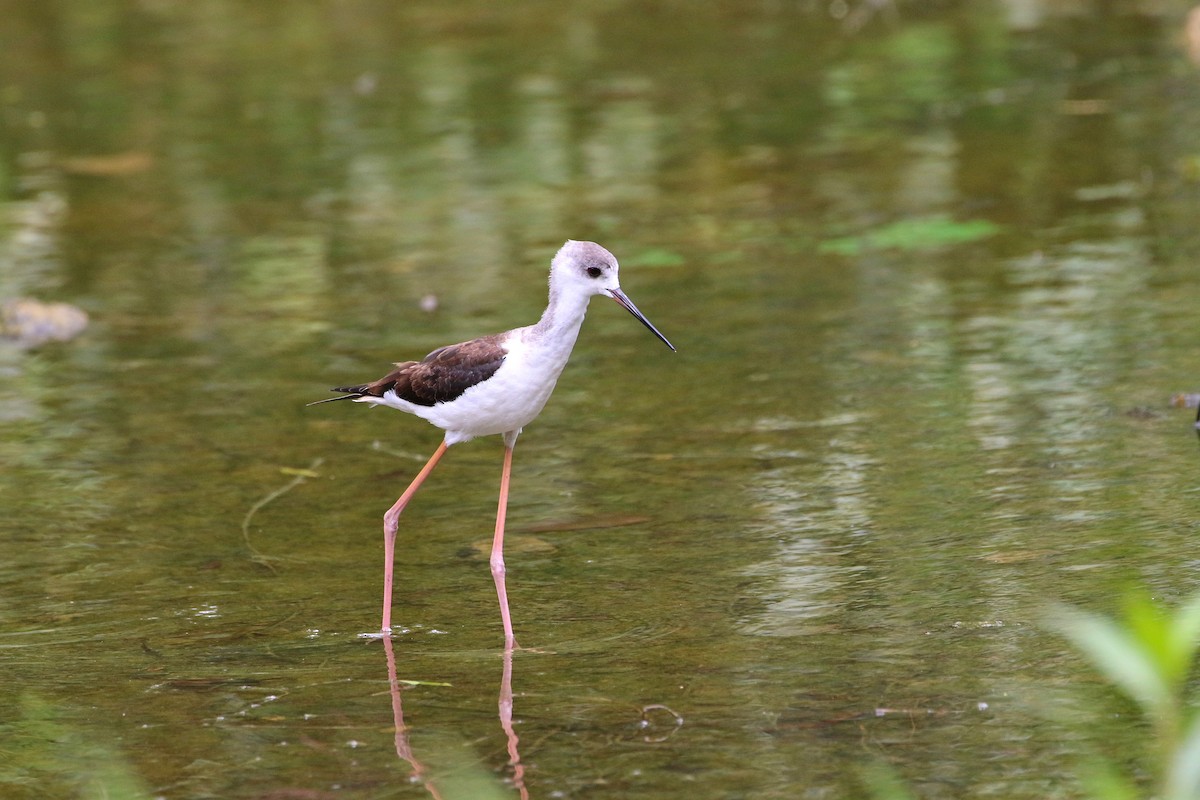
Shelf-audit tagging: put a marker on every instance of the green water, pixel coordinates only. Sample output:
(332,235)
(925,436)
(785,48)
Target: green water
(931,273)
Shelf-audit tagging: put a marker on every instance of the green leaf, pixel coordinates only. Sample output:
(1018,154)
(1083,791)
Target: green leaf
(1121,657)
(884,784)
(1183,773)
(1184,635)
(1169,637)
(1102,781)
(1147,622)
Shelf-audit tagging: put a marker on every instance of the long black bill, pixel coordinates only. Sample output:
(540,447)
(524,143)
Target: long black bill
(627,304)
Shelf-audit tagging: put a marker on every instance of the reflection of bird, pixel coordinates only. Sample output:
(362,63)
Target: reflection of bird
(494,384)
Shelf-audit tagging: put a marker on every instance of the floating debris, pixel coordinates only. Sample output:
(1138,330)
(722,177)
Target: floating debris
(407,682)
(113,165)
(1185,400)
(655,728)
(32,322)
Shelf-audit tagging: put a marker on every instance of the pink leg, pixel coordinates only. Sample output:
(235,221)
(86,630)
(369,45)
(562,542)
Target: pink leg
(391,522)
(497,560)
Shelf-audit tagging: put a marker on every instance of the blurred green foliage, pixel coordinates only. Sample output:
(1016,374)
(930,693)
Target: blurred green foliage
(920,233)
(1147,652)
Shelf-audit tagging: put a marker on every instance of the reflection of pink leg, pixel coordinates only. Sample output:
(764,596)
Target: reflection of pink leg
(391,521)
(402,747)
(497,560)
(506,709)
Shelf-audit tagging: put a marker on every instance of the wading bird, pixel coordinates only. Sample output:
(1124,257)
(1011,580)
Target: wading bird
(494,385)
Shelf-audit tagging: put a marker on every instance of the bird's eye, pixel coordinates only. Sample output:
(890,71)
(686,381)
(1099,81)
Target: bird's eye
(594,272)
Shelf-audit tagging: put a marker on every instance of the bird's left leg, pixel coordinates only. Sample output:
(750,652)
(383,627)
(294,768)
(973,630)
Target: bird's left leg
(391,522)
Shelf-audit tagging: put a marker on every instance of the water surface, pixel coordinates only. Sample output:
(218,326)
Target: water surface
(931,277)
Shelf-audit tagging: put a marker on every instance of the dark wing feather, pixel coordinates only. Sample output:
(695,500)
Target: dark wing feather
(440,377)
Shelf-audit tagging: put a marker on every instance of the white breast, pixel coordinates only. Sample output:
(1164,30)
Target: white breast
(507,401)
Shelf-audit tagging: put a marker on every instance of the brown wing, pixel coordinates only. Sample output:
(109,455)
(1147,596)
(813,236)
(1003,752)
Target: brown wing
(441,376)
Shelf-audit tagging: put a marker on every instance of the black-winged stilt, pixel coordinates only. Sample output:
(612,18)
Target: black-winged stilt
(494,384)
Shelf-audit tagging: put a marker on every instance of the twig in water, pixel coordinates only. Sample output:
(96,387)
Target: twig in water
(301,475)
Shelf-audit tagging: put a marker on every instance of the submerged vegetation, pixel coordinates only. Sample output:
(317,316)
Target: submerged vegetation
(919,234)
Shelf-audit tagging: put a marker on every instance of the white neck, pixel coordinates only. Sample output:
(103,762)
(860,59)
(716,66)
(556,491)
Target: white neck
(563,313)
(556,331)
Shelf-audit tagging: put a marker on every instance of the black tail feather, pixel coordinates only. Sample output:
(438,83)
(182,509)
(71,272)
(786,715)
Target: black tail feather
(350,393)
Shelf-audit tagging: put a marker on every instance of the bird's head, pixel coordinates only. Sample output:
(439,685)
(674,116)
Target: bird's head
(588,269)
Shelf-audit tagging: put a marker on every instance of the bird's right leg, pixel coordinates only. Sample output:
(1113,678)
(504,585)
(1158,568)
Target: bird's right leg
(391,522)
(497,559)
